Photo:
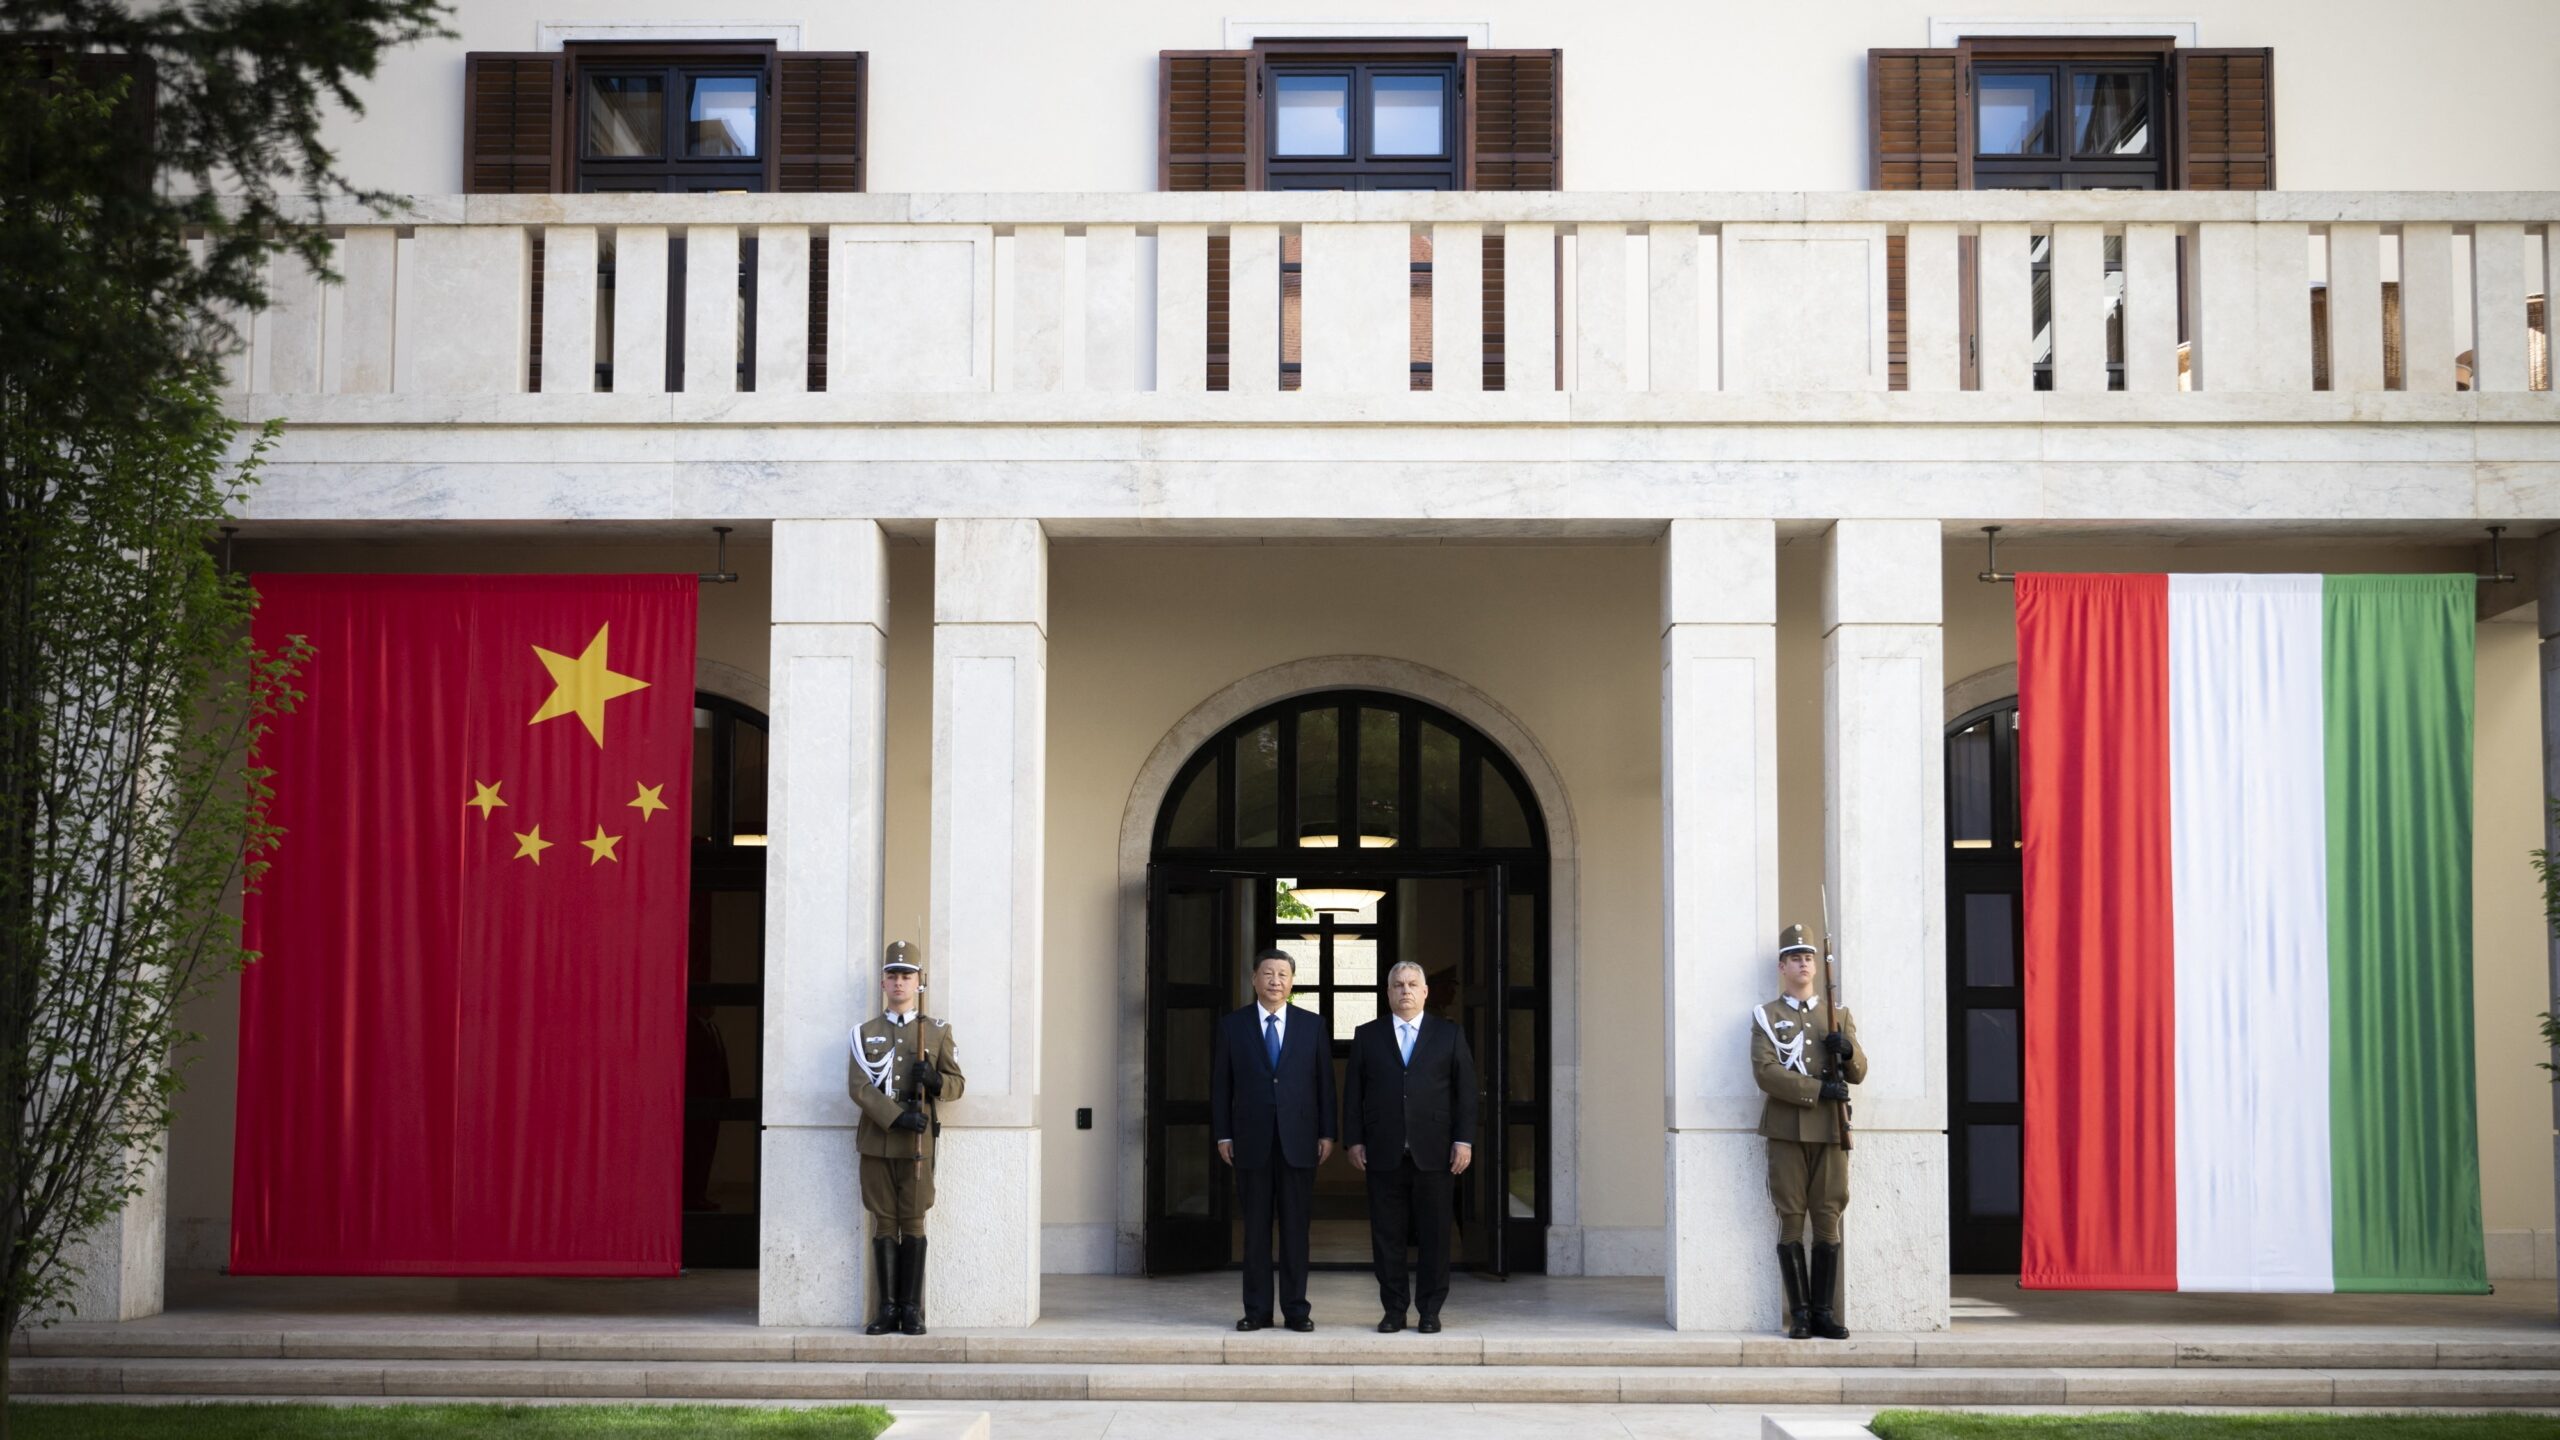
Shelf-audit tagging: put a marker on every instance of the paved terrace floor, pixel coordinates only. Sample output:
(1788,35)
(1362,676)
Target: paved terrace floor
(1580,1309)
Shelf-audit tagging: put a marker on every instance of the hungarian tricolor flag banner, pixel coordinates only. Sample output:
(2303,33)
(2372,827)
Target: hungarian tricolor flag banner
(462,1044)
(2246,803)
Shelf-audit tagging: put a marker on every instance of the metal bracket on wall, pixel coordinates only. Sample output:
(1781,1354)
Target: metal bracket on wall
(2497,574)
(720,573)
(1992,574)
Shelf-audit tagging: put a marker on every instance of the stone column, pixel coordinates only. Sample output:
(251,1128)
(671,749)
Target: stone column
(990,771)
(2546,567)
(1719,915)
(822,909)
(124,1262)
(1884,865)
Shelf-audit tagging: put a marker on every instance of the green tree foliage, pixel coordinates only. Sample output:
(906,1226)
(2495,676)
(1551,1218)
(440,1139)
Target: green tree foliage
(2549,874)
(153,159)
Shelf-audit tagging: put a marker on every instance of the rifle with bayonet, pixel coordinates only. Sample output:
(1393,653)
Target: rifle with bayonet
(1831,992)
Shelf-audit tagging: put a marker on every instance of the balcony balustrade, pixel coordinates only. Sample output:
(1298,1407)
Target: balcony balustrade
(676,306)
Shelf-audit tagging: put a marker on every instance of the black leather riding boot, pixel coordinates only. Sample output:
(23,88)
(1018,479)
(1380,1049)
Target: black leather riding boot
(1791,1274)
(911,1284)
(1826,1293)
(884,1283)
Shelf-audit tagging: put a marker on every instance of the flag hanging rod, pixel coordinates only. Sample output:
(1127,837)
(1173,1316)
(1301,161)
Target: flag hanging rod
(720,573)
(1992,574)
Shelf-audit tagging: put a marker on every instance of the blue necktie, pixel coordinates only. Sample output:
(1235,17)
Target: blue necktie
(1404,1037)
(1271,1039)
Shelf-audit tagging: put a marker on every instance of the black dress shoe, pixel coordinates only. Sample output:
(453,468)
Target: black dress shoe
(1390,1325)
(1302,1324)
(1430,1325)
(1249,1323)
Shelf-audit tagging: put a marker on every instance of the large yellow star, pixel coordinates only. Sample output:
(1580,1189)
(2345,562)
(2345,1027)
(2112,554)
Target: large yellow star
(648,804)
(487,799)
(530,845)
(602,846)
(581,687)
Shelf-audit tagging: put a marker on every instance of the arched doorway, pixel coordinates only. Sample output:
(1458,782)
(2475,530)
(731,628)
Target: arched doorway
(724,987)
(1440,845)
(1985,1061)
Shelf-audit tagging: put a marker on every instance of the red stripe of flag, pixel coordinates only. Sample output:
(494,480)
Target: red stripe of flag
(2099,1188)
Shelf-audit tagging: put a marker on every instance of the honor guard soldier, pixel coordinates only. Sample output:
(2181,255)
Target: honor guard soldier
(1805,1056)
(903,1066)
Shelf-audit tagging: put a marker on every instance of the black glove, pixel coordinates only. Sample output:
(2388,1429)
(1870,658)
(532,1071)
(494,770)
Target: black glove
(914,1120)
(930,1078)
(1835,1089)
(1840,1045)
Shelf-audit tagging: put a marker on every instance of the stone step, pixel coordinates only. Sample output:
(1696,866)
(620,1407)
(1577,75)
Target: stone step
(747,1344)
(1583,1384)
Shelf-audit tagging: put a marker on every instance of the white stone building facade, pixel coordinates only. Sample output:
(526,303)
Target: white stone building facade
(1093,474)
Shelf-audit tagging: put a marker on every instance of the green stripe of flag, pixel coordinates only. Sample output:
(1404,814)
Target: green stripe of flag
(2404,1158)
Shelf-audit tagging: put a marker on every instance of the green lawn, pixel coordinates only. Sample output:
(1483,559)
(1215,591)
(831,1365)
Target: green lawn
(1939,1425)
(418,1422)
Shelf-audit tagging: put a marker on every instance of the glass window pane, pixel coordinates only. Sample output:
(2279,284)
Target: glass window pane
(1306,954)
(1505,823)
(1188,1035)
(1312,115)
(1521,1059)
(1991,1170)
(746,797)
(1320,778)
(706,816)
(1351,1010)
(2014,114)
(626,116)
(2111,114)
(722,120)
(1258,786)
(730,938)
(1522,1182)
(1406,114)
(1191,937)
(1969,787)
(1990,941)
(1991,1057)
(1195,814)
(1437,825)
(1520,937)
(1190,1160)
(1380,760)
(1355,960)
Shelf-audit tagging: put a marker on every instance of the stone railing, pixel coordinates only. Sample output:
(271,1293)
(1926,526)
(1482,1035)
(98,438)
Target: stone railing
(697,300)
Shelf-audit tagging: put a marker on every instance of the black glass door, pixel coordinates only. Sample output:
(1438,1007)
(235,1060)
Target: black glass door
(1483,1009)
(1986,1063)
(1200,931)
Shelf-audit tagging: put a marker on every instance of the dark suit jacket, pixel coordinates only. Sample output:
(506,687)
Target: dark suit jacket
(1427,1106)
(1259,1108)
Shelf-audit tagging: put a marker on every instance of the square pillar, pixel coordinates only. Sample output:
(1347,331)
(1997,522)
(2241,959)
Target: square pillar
(124,1261)
(1884,864)
(1719,916)
(982,961)
(822,909)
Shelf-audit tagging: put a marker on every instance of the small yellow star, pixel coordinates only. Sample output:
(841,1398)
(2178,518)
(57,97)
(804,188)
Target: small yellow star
(487,799)
(581,687)
(602,845)
(648,804)
(530,845)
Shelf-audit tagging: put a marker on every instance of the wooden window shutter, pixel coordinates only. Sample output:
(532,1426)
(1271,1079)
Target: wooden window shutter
(2226,119)
(514,123)
(822,144)
(1209,137)
(1515,141)
(1915,141)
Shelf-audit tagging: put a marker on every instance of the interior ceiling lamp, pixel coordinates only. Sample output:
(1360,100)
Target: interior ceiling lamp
(1337,898)
(1327,840)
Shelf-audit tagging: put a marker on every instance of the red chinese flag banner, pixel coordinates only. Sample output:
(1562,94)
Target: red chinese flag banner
(462,1044)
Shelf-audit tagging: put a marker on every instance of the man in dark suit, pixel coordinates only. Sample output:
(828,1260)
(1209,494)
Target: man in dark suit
(1409,1117)
(1271,1106)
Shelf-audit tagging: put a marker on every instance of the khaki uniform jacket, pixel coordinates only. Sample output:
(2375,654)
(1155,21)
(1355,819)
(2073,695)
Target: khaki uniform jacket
(879,1039)
(1794,1109)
